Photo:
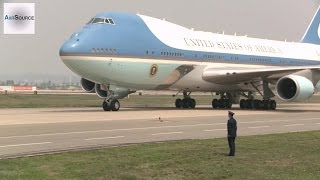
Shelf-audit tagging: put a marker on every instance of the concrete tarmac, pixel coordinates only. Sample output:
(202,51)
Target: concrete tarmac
(26,132)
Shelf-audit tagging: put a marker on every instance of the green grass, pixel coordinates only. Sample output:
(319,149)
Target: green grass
(282,156)
(39,101)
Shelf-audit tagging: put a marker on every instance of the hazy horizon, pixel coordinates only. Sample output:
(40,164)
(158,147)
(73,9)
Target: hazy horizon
(38,55)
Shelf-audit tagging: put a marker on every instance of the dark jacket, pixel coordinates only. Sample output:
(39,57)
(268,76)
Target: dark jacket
(232,127)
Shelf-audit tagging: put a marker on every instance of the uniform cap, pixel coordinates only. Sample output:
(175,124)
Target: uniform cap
(231,113)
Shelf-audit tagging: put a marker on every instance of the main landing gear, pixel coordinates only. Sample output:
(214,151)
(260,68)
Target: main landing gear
(186,102)
(258,104)
(111,105)
(223,103)
(265,104)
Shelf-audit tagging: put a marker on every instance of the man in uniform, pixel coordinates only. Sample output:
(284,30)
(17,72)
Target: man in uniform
(232,133)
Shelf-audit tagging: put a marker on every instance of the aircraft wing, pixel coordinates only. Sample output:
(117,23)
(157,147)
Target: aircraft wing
(235,76)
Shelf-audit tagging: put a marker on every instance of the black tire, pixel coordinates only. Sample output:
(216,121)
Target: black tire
(106,106)
(115,105)
(261,104)
(222,103)
(266,104)
(215,103)
(192,103)
(185,103)
(256,104)
(273,105)
(249,104)
(229,104)
(178,103)
(243,104)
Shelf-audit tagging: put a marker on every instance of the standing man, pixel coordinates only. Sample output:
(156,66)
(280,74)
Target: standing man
(232,133)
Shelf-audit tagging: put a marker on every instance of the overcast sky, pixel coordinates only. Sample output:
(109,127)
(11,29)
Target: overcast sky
(56,20)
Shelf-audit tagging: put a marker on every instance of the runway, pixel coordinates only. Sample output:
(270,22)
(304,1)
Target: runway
(37,131)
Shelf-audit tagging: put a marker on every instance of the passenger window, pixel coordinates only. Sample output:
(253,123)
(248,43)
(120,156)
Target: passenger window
(107,21)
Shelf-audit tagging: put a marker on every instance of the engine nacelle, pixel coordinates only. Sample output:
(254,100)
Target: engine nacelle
(87,85)
(294,88)
(111,92)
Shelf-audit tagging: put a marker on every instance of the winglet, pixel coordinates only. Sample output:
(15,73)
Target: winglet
(312,35)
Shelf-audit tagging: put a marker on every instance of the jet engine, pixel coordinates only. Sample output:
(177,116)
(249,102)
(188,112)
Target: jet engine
(87,85)
(294,88)
(111,92)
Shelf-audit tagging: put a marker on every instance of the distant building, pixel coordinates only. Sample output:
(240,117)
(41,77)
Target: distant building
(17,88)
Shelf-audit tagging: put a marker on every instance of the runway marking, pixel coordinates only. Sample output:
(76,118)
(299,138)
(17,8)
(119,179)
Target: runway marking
(30,144)
(258,127)
(152,127)
(167,133)
(289,125)
(112,130)
(212,130)
(114,137)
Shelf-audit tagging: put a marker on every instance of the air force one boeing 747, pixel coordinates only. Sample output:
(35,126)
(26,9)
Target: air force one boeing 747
(119,53)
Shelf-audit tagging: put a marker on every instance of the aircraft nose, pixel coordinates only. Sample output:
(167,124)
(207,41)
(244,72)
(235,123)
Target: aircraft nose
(71,46)
(68,47)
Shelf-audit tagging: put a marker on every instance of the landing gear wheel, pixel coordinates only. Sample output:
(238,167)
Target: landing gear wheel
(215,103)
(222,103)
(115,105)
(185,103)
(106,106)
(243,103)
(266,104)
(273,105)
(229,104)
(256,104)
(178,103)
(249,104)
(192,103)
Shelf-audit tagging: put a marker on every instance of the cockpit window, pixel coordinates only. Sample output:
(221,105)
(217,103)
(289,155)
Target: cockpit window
(111,21)
(98,20)
(101,21)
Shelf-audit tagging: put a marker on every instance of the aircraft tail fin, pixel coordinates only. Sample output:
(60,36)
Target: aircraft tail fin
(312,34)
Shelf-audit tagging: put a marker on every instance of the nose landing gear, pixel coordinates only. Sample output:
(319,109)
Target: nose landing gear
(111,105)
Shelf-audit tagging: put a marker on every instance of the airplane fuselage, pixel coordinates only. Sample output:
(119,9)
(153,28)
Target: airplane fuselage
(140,52)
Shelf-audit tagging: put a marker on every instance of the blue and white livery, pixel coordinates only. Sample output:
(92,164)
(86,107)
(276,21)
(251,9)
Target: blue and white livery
(119,53)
